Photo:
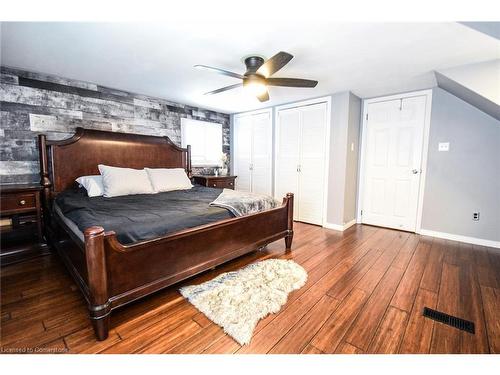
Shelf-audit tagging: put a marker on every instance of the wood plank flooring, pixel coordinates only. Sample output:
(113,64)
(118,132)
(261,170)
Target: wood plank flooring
(365,293)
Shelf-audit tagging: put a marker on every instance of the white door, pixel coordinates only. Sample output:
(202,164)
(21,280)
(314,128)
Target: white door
(261,165)
(243,153)
(253,152)
(393,156)
(300,159)
(312,163)
(288,156)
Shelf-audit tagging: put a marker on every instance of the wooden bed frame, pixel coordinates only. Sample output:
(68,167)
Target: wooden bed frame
(110,274)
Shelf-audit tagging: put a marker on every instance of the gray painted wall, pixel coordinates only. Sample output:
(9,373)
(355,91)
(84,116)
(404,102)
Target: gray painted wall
(343,173)
(352,158)
(467,177)
(33,103)
(337,167)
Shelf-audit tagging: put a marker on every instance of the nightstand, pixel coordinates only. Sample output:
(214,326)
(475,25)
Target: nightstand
(220,182)
(21,223)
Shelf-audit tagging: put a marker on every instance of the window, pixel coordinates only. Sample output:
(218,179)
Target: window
(205,139)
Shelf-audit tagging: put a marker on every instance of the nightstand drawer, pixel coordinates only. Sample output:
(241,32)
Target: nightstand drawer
(221,184)
(18,202)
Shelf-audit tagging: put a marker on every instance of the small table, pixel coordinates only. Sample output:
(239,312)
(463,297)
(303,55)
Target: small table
(220,182)
(21,229)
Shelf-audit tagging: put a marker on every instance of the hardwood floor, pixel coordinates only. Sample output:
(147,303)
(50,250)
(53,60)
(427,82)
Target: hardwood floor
(365,293)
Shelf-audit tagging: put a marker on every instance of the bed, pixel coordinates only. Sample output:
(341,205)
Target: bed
(113,268)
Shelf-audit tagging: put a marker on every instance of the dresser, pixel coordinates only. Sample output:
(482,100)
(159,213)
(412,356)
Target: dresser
(221,182)
(21,223)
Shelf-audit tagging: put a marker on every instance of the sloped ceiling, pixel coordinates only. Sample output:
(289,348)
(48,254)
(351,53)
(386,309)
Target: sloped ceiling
(477,84)
(489,28)
(157,59)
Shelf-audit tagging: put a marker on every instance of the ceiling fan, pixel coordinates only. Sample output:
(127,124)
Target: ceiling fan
(256,79)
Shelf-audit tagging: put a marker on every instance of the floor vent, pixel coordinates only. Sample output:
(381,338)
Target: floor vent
(438,316)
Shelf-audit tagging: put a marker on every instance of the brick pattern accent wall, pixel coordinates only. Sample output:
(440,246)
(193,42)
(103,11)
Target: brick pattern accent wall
(33,103)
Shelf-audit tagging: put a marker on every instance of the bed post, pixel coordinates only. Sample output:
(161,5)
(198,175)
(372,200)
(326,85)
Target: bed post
(44,177)
(188,162)
(289,235)
(99,306)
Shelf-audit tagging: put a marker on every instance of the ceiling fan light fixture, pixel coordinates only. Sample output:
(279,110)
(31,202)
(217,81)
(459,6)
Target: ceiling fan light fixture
(256,88)
(255,85)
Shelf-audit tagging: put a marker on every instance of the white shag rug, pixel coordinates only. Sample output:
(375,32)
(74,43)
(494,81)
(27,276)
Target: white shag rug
(237,300)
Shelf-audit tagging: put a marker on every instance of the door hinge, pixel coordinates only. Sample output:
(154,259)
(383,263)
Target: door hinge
(361,213)
(367,117)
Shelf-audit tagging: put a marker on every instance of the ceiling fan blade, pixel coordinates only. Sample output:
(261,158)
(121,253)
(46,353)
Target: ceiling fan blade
(274,64)
(224,89)
(291,82)
(263,97)
(220,71)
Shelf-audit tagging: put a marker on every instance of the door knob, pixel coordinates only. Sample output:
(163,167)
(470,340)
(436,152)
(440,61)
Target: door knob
(415,171)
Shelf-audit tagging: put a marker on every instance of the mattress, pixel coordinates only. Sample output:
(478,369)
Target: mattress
(140,217)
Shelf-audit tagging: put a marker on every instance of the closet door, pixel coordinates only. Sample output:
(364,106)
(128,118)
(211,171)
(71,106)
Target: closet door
(243,153)
(312,163)
(287,156)
(261,153)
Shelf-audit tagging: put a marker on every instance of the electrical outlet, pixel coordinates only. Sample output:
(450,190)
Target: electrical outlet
(475,216)
(444,146)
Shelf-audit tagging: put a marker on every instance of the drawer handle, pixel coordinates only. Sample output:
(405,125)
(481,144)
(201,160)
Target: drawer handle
(215,184)
(22,202)
(230,183)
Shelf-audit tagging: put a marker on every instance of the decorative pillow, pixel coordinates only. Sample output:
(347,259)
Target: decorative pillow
(93,185)
(168,179)
(124,181)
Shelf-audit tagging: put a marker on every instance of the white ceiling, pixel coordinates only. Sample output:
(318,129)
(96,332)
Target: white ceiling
(157,59)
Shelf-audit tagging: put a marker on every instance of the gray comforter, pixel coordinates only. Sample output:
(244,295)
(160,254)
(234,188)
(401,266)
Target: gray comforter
(143,216)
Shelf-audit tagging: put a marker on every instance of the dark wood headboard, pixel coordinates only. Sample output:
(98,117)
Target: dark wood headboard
(61,162)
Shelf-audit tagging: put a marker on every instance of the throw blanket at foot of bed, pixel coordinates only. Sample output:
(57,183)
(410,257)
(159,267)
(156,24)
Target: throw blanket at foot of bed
(243,203)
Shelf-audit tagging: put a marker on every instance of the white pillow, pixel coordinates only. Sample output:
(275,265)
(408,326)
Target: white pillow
(124,181)
(93,185)
(168,179)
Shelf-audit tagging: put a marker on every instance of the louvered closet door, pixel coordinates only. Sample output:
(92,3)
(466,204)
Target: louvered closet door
(312,163)
(287,156)
(243,153)
(262,137)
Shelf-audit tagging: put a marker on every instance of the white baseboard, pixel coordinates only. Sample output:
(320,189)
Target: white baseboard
(333,226)
(456,237)
(340,227)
